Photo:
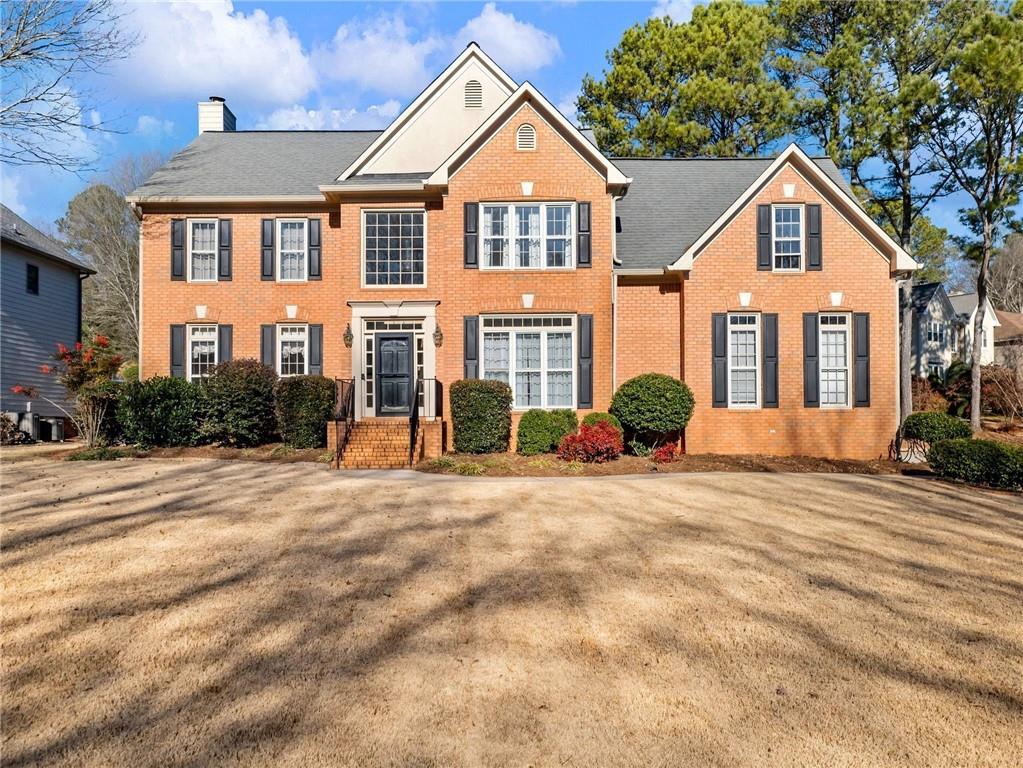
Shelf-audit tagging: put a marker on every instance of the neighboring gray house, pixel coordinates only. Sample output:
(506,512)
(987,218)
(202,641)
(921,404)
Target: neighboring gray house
(40,306)
(966,305)
(937,331)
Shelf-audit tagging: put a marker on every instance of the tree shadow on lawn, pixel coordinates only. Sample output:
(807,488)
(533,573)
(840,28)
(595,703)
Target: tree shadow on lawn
(250,615)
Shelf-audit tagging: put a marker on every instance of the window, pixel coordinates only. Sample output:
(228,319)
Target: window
(527,236)
(395,247)
(202,250)
(936,332)
(743,361)
(32,279)
(293,350)
(936,368)
(525,138)
(202,351)
(473,94)
(834,361)
(953,334)
(788,238)
(292,249)
(533,355)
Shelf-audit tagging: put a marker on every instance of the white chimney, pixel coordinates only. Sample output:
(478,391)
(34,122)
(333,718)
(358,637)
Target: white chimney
(214,115)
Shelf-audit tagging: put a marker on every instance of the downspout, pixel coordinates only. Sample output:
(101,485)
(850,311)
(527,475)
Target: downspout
(614,294)
(137,210)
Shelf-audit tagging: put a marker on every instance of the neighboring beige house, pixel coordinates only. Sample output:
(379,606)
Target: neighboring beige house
(937,330)
(1009,340)
(966,306)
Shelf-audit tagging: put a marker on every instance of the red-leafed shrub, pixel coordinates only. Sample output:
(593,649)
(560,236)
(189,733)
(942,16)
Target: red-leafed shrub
(595,443)
(666,454)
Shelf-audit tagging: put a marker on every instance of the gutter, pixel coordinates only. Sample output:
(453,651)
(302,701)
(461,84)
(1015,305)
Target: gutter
(214,199)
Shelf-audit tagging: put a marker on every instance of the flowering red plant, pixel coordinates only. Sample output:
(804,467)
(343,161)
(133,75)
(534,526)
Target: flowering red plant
(597,443)
(666,454)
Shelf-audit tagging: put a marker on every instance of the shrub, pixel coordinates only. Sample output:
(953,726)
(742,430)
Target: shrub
(926,397)
(159,412)
(130,371)
(932,426)
(600,416)
(239,400)
(1001,390)
(666,454)
(541,431)
(10,434)
(101,453)
(303,406)
(653,404)
(481,415)
(984,462)
(957,388)
(593,443)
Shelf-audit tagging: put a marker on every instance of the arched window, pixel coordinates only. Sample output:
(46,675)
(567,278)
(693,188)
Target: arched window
(473,94)
(525,138)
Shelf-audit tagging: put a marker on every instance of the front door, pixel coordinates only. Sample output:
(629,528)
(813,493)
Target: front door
(394,374)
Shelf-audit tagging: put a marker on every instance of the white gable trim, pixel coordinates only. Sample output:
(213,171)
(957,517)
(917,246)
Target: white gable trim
(812,172)
(553,117)
(472,51)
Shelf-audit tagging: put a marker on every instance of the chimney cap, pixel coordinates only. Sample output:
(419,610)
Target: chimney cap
(219,99)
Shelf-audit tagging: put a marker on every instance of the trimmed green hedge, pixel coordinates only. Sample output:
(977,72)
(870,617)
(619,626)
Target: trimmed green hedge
(653,404)
(601,416)
(159,412)
(239,401)
(541,431)
(303,406)
(984,462)
(932,426)
(481,415)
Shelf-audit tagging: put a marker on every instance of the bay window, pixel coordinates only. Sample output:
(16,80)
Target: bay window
(834,361)
(535,356)
(527,235)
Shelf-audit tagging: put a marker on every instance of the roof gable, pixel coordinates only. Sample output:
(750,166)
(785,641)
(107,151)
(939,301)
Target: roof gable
(16,231)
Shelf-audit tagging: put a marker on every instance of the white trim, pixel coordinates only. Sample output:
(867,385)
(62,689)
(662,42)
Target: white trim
(571,329)
(188,249)
(801,239)
(512,237)
(525,138)
(188,347)
(277,348)
(362,248)
(845,328)
(156,199)
(757,360)
(278,223)
(795,156)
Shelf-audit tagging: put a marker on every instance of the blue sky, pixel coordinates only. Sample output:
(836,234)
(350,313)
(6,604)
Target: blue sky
(326,65)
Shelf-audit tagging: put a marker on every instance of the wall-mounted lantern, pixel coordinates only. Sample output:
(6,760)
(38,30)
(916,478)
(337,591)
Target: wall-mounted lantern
(349,337)
(438,336)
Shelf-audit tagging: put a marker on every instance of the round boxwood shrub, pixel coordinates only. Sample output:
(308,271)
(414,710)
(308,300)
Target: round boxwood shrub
(601,416)
(239,400)
(932,426)
(653,404)
(159,412)
(481,415)
(303,406)
(984,462)
(541,431)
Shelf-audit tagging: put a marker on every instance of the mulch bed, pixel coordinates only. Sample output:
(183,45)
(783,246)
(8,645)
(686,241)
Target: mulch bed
(273,453)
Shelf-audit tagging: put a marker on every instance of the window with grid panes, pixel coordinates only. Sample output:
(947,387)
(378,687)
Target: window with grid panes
(395,247)
(535,356)
(743,360)
(834,360)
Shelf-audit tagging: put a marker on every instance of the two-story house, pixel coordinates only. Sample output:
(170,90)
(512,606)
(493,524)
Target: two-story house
(481,234)
(937,331)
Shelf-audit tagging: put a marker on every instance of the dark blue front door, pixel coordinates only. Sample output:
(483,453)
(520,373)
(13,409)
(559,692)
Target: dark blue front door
(394,374)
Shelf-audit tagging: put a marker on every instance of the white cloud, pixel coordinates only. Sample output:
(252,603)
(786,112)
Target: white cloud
(677,10)
(10,191)
(566,106)
(379,55)
(298,118)
(191,49)
(153,127)
(515,45)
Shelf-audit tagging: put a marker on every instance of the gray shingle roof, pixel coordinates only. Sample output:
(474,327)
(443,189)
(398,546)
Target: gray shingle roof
(964,303)
(14,229)
(671,202)
(922,295)
(257,163)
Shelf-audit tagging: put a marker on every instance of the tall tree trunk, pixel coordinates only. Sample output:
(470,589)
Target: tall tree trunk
(906,298)
(978,327)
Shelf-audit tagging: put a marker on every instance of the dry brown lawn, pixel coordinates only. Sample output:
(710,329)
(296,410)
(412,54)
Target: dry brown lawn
(192,613)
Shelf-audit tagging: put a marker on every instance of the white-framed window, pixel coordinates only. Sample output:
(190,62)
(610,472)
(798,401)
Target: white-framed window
(394,248)
(527,235)
(202,351)
(534,355)
(936,331)
(787,240)
(936,368)
(834,361)
(292,350)
(744,361)
(202,250)
(292,250)
(953,338)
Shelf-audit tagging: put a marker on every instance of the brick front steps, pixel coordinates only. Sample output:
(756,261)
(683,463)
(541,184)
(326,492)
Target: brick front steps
(384,443)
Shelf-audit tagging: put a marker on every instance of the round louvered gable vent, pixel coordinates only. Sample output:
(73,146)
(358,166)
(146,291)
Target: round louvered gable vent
(473,94)
(525,138)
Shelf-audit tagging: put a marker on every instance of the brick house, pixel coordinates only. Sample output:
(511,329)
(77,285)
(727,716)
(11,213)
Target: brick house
(483,235)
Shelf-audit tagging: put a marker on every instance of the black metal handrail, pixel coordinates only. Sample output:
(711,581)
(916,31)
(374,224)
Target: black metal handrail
(344,416)
(413,421)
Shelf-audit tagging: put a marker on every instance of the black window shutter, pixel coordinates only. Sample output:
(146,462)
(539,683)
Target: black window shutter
(813,238)
(770,374)
(316,349)
(224,260)
(811,372)
(315,248)
(472,213)
(471,324)
(267,338)
(719,359)
(584,259)
(225,334)
(267,250)
(177,249)
(177,351)
(861,386)
(764,237)
(585,361)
